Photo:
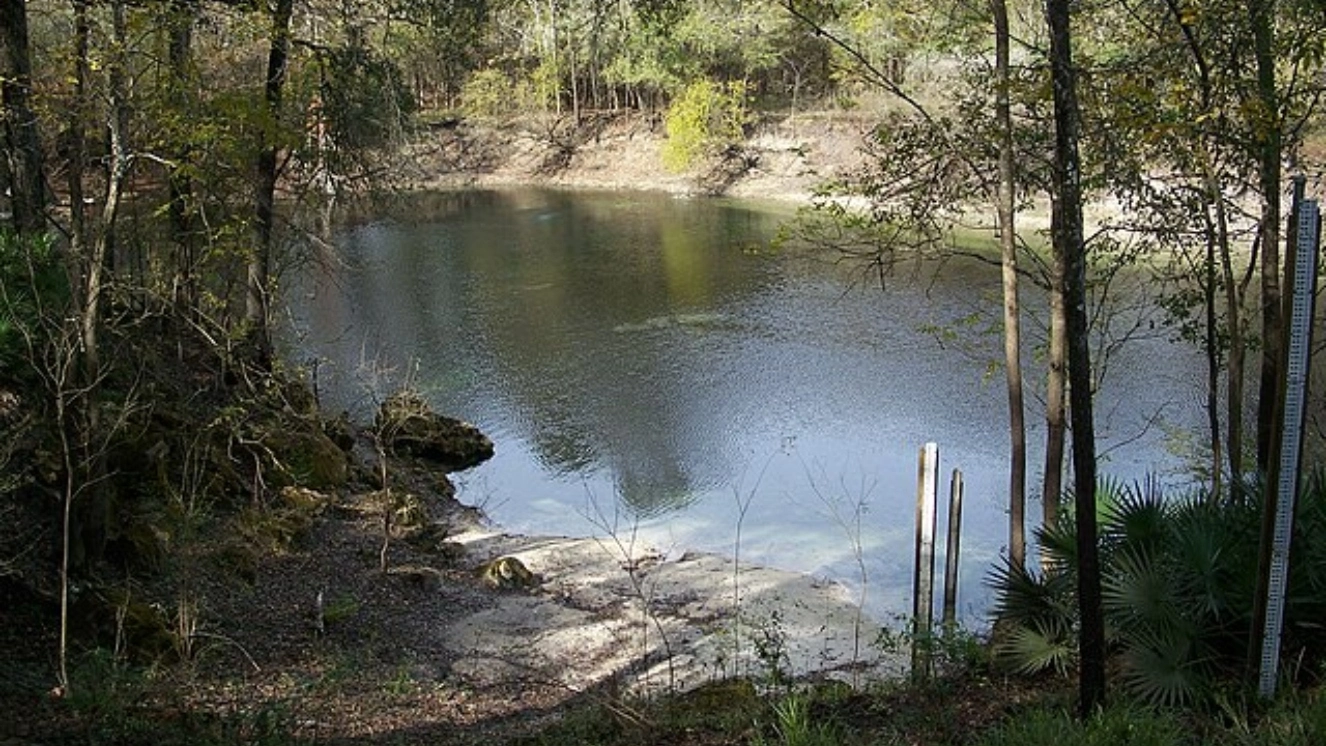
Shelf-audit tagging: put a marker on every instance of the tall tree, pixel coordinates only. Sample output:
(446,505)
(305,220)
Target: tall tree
(1267,144)
(22,142)
(1067,180)
(1008,249)
(1056,384)
(925,170)
(180,18)
(257,298)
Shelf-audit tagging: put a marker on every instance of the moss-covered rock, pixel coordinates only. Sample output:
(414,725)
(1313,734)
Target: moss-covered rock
(276,527)
(145,632)
(239,559)
(406,423)
(341,431)
(308,456)
(507,573)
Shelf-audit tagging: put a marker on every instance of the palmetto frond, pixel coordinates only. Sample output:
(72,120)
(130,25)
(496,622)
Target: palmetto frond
(1022,597)
(1177,584)
(1133,515)
(1138,590)
(1034,648)
(1161,669)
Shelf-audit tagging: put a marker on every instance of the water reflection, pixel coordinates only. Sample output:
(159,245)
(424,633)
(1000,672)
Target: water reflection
(578,322)
(635,361)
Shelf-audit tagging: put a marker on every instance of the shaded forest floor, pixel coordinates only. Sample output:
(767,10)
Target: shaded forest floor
(308,640)
(250,659)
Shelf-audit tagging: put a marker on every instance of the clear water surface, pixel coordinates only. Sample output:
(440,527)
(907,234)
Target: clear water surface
(647,363)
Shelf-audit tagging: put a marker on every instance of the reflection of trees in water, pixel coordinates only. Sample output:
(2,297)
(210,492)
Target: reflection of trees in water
(562,444)
(555,314)
(410,207)
(658,488)
(556,274)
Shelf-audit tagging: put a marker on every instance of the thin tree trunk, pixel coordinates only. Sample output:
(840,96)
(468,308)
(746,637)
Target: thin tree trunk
(78,243)
(1235,364)
(1217,243)
(1271,489)
(260,264)
(118,169)
(1017,428)
(22,142)
(183,291)
(1068,186)
(85,354)
(78,240)
(1267,142)
(1056,384)
(1212,346)
(66,533)
(575,87)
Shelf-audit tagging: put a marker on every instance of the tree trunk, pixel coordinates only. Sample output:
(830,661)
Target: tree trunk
(260,264)
(1056,385)
(22,142)
(1212,345)
(78,233)
(1271,485)
(1267,143)
(118,172)
(1234,365)
(84,476)
(1017,428)
(1068,187)
(180,58)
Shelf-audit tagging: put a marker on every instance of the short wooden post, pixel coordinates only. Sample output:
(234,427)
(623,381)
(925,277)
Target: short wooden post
(952,550)
(923,584)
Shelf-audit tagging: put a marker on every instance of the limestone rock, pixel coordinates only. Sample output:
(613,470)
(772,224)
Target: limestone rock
(507,573)
(408,424)
(310,458)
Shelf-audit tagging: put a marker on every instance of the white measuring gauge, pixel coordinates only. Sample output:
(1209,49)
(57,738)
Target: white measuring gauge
(1296,384)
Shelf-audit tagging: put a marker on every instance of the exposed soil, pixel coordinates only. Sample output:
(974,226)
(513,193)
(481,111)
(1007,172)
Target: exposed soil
(429,652)
(784,158)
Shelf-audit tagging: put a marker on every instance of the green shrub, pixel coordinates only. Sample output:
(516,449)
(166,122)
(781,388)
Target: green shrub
(32,284)
(1177,582)
(487,93)
(1298,719)
(706,117)
(545,86)
(366,101)
(794,725)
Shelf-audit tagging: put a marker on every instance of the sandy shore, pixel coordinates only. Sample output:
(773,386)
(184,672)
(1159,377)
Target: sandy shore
(608,611)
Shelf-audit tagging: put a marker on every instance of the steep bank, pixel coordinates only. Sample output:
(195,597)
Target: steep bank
(783,159)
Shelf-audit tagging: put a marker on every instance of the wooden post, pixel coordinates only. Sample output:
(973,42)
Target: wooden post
(952,550)
(923,584)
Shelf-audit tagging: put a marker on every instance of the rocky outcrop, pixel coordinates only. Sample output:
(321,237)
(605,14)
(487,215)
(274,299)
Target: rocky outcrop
(307,457)
(507,573)
(407,424)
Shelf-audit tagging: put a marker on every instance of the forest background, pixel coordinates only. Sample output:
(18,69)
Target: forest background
(158,155)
